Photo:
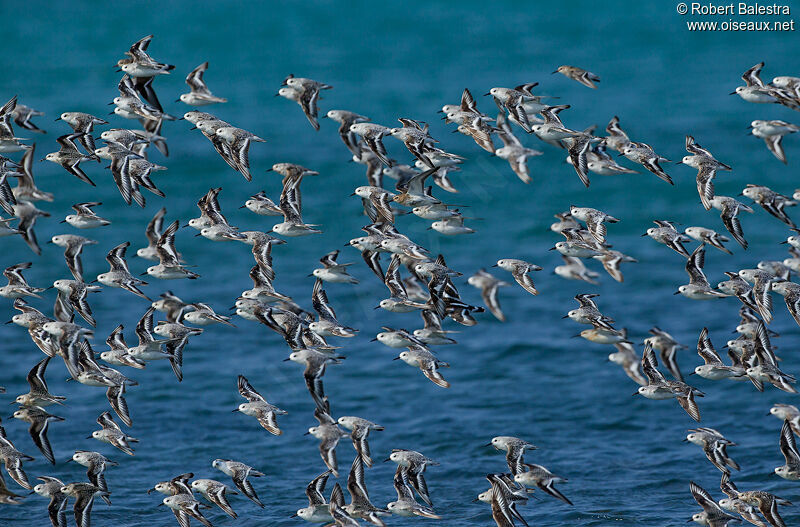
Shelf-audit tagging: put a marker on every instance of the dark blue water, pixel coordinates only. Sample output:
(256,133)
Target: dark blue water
(623,456)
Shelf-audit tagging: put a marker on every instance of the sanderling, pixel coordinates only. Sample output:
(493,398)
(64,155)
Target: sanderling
(762,284)
(315,362)
(706,166)
(111,433)
(184,506)
(26,189)
(153,232)
(333,271)
(258,407)
(767,370)
(73,246)
(119,275)
(712,513)
(513,100)
(432,332)
(574,269)
(140,64)
(85,217)
(199,95)
(346,119)
(422,358)
(406,505)
(770,201)
(790,470)
(360,429)
(317,510)
(329,434)
(372,136)
(17,286)
(552,129)
(667,234)
(169,266)
(644,154)
(588,313)
(84,494)
(9,143)
(360,505)
(745,510)
(177,485)
(28,214)
(502,496)
(415,465)
(73,297)
(13,459)
(214,491)
(587,78)
(513,151)
(538,476)
(239,472)
(714,369)
(262,205)
(38,395)
(756,91)
(616,139)
(326,323)
(488,285)
(772,133)
(83,126)
(729,209)
(306,93)
(709,236)
(660,388)
(787,412)
(22,117)
(514,448)
(626,357)
(765,502)
(667,347)
(595,220)
(39,420)
(70,158)
(57,508)
(714,447)
(698,287)
(95,464)
(791,295)
(577,245)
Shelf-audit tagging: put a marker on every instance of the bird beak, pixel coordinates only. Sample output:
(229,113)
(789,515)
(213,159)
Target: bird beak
(371,340)
(676,293)
(295,514)
(286,360)
(234,410)
(679,162)
(88,437)
(396,358)
(177,100)
(495,265)
(487,93)
(488,444)
(307,433)
(57,119)
(551,249)
(732,93)
(635,393)
(565,316)
(387,459)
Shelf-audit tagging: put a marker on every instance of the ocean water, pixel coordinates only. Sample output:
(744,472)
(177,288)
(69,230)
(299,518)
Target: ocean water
(528,377)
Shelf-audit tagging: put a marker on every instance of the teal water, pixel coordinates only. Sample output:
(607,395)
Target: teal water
(528,377)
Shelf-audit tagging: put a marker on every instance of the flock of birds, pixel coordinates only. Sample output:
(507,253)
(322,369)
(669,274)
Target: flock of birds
(427,287)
